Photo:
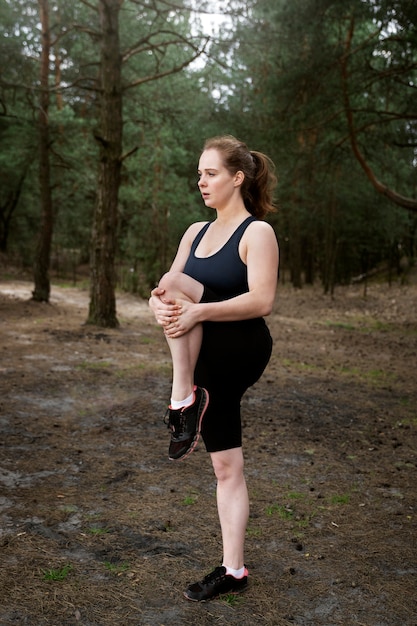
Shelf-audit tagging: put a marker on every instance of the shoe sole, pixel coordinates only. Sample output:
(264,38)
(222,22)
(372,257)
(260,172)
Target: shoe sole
(197,435)
(219,595)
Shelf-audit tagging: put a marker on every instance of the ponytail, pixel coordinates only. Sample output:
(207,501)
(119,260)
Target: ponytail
(258,193)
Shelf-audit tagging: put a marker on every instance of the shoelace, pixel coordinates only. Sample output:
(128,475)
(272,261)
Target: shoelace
(215,575)
(175,420)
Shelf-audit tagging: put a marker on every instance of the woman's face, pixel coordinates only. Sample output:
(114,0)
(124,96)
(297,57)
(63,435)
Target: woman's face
(216,184)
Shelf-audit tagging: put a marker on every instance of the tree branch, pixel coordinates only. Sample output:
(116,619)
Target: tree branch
(146,44)
(129,153)
(400,200)
(173,70)
(89,5)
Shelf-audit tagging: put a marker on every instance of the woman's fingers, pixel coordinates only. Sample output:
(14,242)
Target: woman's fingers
(173,329)
(173,333)
(164,320)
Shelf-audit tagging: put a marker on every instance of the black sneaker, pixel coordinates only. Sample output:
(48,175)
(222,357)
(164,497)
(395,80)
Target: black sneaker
(185,425)
(216,583)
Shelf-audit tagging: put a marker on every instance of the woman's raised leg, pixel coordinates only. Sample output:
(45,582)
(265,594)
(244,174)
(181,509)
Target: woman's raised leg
(184,349)
(188,402)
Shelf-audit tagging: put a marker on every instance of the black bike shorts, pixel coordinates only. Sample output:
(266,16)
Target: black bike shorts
(232,358)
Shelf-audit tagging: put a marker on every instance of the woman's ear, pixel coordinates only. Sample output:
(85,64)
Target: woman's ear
(239,178)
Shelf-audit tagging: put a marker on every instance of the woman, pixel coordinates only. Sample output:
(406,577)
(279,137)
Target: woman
(211,305)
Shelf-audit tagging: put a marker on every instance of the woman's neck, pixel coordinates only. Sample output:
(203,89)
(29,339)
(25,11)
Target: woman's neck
(232,215)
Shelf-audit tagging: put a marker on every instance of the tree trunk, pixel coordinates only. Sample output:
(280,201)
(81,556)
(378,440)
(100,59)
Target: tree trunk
(7,209)
(41,290)
(330,242)
(295,252)
(102,309)
(309,258)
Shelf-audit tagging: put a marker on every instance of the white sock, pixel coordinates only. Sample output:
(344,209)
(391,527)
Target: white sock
(237,573)
(179,404)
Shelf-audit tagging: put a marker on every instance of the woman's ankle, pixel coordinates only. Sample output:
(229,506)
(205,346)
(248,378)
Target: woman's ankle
(179,404)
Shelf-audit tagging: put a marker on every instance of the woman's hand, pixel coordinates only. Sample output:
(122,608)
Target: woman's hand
(184,322)
(166,312)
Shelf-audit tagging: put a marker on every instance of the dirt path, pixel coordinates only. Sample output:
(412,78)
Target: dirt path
(87,493)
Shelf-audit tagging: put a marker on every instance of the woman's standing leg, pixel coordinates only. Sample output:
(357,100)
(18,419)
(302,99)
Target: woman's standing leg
(227,366)
(233,509)
(232,504)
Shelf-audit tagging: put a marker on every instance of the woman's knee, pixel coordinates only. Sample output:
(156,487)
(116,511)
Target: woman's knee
(228,464)
(170,280)
(180,285)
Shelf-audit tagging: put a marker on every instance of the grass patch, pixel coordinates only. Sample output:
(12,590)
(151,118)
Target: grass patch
(69,508)
(342,499)
(56,574)
(98,530)
(81,284)
(406,421)
(147,340)
(375,377)
(296,495)
(343,325)
(282,511)
(253,532)
(301,365)
(232,599)
(377,325)
(190,499)
(116,568)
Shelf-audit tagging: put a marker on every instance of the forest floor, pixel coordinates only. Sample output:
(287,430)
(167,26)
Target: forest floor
(99,528)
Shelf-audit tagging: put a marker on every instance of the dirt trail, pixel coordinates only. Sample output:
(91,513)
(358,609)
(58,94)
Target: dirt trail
(88,495)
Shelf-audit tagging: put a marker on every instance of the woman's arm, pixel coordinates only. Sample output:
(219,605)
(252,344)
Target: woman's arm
(157,303)
(259,250)
(184,247)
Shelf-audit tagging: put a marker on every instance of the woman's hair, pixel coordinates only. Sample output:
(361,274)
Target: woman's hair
(260,180)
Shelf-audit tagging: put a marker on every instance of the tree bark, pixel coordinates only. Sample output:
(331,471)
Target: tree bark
(102,308)
(42,287)
(295,252)
(7,209)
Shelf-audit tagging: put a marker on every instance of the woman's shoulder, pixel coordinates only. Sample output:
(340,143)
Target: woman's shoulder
(260,228)
(193,230)
(198,225)
(259,236)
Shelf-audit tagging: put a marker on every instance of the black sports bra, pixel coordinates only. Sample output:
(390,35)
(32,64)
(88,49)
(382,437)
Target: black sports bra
(224,271)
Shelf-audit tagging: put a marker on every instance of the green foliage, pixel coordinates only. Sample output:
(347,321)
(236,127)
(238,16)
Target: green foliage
(331,222)
(116,568)
(232,600)
(340,499)
(190,499)
(283,512)
(58,574)
(98,530)
(271,74)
